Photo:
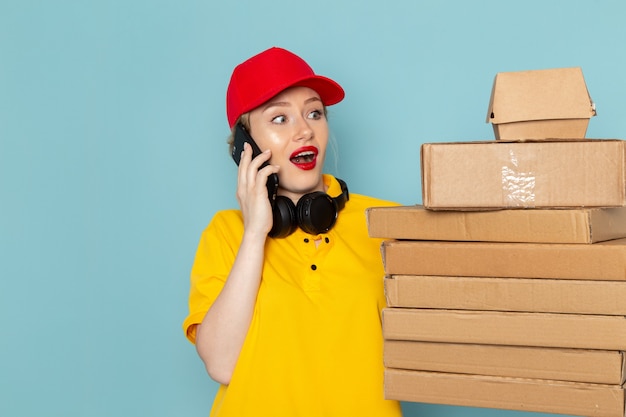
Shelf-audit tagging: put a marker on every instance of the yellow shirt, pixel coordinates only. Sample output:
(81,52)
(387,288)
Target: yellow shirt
(314,347)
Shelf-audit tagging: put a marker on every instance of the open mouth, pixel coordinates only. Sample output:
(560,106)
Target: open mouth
(304,158)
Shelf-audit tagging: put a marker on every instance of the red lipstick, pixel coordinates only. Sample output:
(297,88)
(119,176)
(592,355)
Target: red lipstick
(304,158)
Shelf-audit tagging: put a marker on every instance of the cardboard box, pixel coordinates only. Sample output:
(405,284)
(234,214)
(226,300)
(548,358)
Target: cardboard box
(531,225)
(544,174)
(507,294)
(604,261)
(576,365)
(577,331)
(539,104)
(505,393)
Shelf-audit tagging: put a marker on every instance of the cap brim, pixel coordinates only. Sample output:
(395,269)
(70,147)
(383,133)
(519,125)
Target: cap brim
(330,92)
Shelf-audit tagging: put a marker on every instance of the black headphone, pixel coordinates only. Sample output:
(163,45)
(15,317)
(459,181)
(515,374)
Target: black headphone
(315,212)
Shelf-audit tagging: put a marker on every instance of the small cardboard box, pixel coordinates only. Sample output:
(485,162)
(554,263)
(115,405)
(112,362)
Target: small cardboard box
(578,331)
(507,294)
(531,174)
(576,365)
(605,261)
(540,104)
(530,395)
(536,225)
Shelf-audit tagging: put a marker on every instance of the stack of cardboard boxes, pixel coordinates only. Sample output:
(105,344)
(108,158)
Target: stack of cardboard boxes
(507,288)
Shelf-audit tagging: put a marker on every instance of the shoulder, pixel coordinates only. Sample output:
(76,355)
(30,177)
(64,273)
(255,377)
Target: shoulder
(227,217)
(225,224)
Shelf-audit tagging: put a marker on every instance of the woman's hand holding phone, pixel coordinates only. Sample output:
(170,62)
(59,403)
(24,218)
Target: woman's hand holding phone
(252,190)
(254,173)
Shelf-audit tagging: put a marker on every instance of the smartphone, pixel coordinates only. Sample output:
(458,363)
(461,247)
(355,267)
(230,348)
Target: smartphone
(242,136)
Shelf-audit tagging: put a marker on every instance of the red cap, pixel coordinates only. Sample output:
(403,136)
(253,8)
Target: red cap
(263,76)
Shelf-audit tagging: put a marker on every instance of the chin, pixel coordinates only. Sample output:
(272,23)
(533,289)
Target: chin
(304,182)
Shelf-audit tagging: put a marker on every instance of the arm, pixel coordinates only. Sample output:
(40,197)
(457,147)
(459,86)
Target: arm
(221,334)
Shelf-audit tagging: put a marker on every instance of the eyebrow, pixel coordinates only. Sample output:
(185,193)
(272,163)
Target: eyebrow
(286,103)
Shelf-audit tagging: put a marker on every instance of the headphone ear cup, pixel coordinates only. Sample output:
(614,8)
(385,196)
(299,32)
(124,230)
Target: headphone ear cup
(284,215)
(317,212)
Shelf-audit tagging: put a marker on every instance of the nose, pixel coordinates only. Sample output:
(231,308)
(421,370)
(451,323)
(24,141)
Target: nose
(303,130)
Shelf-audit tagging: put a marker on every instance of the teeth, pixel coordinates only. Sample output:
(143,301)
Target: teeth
(305,156)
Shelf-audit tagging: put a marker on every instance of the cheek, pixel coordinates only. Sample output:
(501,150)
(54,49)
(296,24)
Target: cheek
(268,139)
(322,139)
(276,144)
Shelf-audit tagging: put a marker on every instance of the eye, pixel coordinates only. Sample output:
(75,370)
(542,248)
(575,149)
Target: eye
(279,119)
(315,114)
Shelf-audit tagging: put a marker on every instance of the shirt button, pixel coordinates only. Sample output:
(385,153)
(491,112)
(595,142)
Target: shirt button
(314,267)
(327,240)
(306,240)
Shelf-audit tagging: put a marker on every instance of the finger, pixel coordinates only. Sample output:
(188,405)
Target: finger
(244,162)
(268,170)
(262,180)
(256,164)
(261,158)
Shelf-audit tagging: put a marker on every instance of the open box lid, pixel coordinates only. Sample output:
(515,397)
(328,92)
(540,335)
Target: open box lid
(559,93)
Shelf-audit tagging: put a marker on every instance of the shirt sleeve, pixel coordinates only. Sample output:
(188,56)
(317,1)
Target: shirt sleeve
(213,261)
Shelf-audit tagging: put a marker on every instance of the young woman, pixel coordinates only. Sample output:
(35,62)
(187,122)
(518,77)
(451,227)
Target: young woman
(286,293)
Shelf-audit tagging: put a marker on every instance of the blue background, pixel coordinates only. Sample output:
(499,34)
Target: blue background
(113,159)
